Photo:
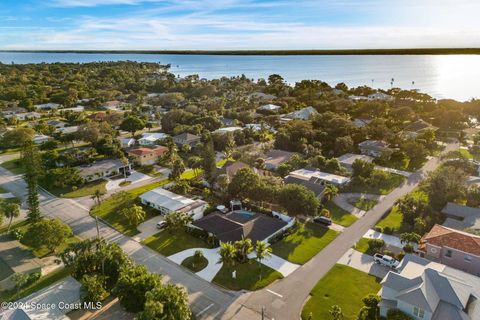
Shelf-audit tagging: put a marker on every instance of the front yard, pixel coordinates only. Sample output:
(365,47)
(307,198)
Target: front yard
(167,243)
(305,241)
(340,216)
(14,166)
(343,286)
(247,276)
(109,209)
(392,221)
(87,189)
(386,186)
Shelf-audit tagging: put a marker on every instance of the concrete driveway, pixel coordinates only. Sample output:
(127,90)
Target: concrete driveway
(148,228)
(364,263)
(211,270)
(135,177)
(389,239)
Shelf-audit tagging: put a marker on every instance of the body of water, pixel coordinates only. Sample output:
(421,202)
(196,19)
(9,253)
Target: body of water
(442,76)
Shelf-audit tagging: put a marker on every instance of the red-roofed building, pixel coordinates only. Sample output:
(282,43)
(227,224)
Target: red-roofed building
(146,156)
(457,249)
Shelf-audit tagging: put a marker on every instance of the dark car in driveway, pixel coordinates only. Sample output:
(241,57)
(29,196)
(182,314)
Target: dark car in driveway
(323,220)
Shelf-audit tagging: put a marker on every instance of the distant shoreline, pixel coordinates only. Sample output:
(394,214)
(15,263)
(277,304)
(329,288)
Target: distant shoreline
(422,51)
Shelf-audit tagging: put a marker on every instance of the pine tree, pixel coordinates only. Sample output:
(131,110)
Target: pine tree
(31,162)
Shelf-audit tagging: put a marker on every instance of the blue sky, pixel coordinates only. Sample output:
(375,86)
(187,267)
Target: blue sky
(237,24)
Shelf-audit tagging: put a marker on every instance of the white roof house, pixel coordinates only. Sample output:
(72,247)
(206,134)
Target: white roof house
(127,142)
(166,202)
(302,114)
(228,129)
(270,107)
(40,138)
(24,115)
(150,139)
(67,130)
(380,96)
(75,109)
(315,176)
(49,105)
(348,159)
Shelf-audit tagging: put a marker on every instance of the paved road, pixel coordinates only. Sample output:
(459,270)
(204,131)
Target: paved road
(207,300)
(285,298)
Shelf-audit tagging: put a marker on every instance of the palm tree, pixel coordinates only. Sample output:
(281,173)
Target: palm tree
(97,197)
(12,210)
(228,254)
(262,251)
(330,192)
(244,247)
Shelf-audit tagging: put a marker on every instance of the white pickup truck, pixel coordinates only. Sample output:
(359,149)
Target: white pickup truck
(385,260)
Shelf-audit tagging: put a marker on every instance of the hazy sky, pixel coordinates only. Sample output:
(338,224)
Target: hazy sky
(238,24)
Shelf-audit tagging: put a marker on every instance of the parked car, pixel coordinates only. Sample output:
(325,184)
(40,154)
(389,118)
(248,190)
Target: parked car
(161,224)
(385,260)
(323,220)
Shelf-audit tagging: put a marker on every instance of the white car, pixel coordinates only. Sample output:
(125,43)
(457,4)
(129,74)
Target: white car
(161,224)
(385,260)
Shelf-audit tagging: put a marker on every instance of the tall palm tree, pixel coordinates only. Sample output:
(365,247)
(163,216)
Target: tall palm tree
(97,197)
(330,192)
(262,251)
(228,254)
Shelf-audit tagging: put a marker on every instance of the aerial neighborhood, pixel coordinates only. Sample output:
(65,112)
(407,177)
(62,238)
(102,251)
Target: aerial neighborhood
(154,196)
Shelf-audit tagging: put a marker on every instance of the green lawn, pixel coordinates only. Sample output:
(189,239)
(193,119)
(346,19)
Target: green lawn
(340,216)
(167,243)
(465,153)
(15,225)
(392,182)
(304,243)
(3,190)
(109,209)
(87,189)
(247,276)
(393,220)
(343,286)
(14,166)
(190,264)
(43,282)
(5,270)
(365,204)
(362,245)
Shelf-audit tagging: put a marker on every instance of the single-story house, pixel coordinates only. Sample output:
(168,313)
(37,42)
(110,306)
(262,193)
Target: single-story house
(13,110)
(67,130)
(461,217)
(24,116)
(187,139)
(98,116)
(357,98)
(428,290)
(150,139)
(348,159)
(417,127)
(56,123)
(228,129)
(166,202)
(74,109)
(374,148)
(361,122)
(276,157)
(302,114)
(312,184)
(102,169)
(146,156)
(112,105)
(241,224)
(47,106)
(40,138)
(380,96)
(319,177)
(269,107)
(127,142)
(454,248)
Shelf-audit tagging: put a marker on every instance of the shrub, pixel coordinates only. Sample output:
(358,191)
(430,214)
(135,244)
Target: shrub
(378,229)
(395,314)
(33,277)
(375,245)
(16,234)
(408,248)
(400,256)
(389,253)
(388,230)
